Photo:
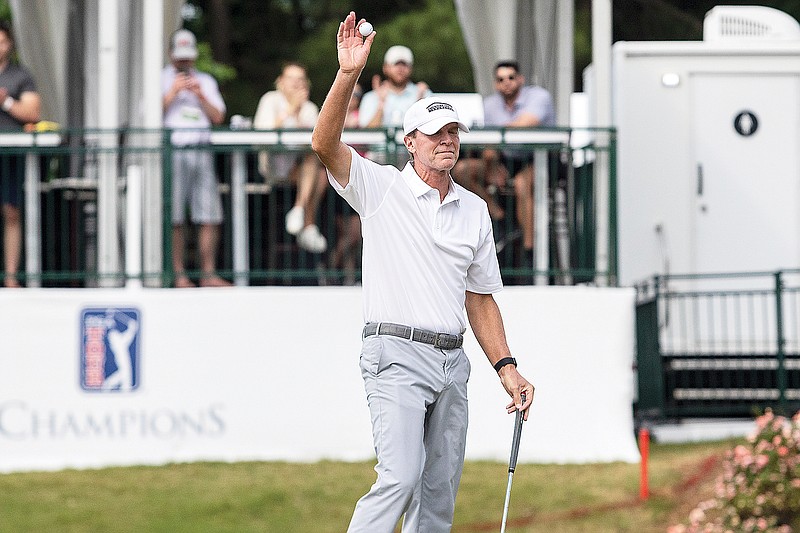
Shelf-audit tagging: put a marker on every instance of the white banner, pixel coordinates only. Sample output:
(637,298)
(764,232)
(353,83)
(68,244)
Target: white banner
(92,378)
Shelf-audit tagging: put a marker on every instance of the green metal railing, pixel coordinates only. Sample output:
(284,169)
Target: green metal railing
(76,207)
(718,344)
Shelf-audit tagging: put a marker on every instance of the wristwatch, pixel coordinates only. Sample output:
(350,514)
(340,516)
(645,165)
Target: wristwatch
(503,362)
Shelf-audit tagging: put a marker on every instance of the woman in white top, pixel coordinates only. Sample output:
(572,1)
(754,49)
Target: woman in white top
(289,107)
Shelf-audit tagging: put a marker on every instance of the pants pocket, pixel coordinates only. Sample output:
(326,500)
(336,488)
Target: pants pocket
(371,351)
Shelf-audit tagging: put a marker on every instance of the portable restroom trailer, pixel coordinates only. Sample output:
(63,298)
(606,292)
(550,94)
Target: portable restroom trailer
(709,147)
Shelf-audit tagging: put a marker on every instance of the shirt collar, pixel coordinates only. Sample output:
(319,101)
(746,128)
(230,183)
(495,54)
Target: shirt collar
(419,187)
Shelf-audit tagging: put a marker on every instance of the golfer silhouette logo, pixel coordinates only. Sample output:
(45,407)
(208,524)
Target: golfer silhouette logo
(110,349)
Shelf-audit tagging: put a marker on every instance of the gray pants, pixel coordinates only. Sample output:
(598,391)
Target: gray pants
(417,397)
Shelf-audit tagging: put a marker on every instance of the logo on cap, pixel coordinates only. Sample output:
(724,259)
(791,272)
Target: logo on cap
(436,106)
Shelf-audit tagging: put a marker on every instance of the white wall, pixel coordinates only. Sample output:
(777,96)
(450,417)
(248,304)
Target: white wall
(667,135)
(272,374)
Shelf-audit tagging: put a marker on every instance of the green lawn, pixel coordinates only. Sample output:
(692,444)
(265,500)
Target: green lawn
(319,497)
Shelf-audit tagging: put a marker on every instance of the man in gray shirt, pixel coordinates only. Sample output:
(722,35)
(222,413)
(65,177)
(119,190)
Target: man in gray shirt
(20,104)
(512,105)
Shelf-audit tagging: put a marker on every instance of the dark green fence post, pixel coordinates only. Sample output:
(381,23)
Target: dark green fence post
(650,374)
(168,276)
(781,372)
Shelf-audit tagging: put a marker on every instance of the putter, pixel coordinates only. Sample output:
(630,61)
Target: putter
(512,463)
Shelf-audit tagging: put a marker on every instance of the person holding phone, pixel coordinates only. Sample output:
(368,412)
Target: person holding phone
(192,104)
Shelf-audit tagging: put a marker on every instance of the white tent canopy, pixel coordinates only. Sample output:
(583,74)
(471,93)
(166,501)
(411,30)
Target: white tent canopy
(60,42)
(536,33)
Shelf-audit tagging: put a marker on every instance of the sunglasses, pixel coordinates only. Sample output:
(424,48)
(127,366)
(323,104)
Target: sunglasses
(510,77)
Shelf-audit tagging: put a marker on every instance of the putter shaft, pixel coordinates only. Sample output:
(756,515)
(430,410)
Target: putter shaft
(512,462)
(505,507)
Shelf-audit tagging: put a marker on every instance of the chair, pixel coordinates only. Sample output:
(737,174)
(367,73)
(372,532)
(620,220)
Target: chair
(469,107)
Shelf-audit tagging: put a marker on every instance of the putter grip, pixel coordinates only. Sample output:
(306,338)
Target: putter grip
(512,463)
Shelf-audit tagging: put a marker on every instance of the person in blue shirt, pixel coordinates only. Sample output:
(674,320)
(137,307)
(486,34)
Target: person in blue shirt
(387,102)
(512,105)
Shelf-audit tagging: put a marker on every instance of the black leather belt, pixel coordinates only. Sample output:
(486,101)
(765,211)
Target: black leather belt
(445,341)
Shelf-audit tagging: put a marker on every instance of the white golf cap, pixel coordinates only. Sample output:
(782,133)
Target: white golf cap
(429,115)
(183,45)
(398,54)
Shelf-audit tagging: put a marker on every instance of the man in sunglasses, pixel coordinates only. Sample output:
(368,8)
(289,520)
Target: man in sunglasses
(512,105)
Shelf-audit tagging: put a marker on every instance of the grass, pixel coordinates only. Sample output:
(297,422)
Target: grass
(319,497)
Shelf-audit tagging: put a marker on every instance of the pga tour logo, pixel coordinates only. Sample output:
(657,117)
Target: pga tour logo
(110,345)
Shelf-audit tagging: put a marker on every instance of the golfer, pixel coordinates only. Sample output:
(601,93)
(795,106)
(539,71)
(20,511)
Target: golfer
(428,254)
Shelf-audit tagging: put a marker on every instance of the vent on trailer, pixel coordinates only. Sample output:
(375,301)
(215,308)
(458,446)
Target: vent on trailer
(749,23)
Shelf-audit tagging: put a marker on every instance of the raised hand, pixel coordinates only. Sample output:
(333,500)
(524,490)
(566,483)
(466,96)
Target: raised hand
(296,99)
(351,47)
(422,90)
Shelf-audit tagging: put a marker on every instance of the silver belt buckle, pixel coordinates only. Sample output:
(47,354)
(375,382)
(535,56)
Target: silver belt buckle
(436,339)
(444,341)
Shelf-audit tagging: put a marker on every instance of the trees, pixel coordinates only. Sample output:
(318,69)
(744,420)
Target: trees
(255,36)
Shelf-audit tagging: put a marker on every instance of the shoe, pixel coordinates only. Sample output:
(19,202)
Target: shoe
(295,219)
(213,280)
(183,282)
(312,240)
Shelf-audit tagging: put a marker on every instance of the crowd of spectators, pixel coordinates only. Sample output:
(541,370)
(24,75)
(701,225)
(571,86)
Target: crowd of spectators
(193,105)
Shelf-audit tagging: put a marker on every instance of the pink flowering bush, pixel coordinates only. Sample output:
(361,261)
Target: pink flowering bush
(760,486)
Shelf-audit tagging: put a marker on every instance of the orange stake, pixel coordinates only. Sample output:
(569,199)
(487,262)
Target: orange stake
(644,450)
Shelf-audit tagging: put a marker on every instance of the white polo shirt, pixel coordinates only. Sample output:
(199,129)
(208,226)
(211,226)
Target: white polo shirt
(420,255)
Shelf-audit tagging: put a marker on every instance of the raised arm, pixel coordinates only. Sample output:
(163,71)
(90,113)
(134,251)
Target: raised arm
(326,141)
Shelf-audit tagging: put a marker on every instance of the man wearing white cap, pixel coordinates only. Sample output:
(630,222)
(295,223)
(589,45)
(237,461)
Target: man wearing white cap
(192,103)
(389,99)
(428,255)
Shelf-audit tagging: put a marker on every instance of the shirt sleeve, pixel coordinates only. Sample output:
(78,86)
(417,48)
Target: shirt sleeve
(483,275)
(167,78)
(264,118)
(212,94)
(368,184)
(539,102)
(490,111)
(308,115)
(28,84)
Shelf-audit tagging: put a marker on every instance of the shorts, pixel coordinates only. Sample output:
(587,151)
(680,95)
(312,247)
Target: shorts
(195,184)
(278,167)
(516,162)
(12,174)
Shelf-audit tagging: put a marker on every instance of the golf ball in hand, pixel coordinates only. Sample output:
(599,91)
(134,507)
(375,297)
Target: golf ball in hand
(365,29)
